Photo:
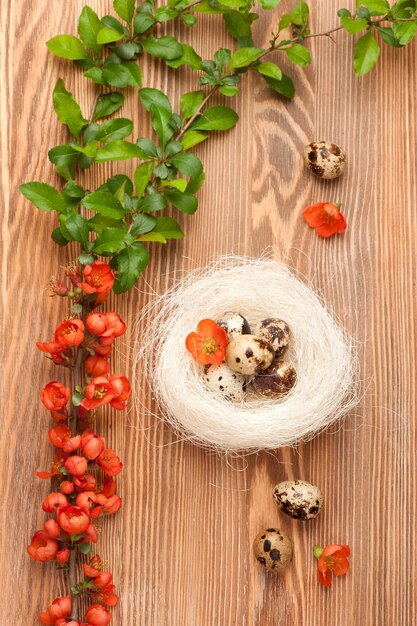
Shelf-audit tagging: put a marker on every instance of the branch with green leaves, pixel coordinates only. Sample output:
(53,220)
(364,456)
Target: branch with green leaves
(117,220)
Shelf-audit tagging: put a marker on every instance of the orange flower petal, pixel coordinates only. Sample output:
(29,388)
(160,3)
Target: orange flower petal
(206,328)
(314,215)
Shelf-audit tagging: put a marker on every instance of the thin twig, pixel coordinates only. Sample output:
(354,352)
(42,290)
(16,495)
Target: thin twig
(197,113)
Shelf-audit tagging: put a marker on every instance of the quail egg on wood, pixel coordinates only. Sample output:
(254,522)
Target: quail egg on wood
(298,499)
(234,324)
(275,381)
(325,159)
(247,354)
(273,549)
(276,332)
(229,384)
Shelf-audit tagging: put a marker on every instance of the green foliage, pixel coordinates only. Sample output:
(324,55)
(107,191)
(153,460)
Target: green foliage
(366,54)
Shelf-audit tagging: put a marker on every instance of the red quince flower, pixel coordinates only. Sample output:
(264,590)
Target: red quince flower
(63,556)
(84,483)
(67,487)
(54,501)
(325,218)
(122,391)
(110,462)
(91,444)
(100,391)
(59,435)
(91,502)
(55,395)
(51,527)
(69,333)
(96,323)
(59,609)
(109,487)
(42,547)
(112,505)
(72,444)
(54,348)
(91,533)
(97,615)
(115,325)
(102,348)
(332,559)
(73,520)
(99,278)
(76,465)
(56,468)
(94,567)
(97,366)
(208,344)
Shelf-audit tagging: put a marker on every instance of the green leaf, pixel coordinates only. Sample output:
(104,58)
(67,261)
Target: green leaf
(84,548)
(67,109)
(142,23)
(150,97)
(192,138)
(63,156)
(299,14)
(269,4)
(105,203)
(125,8)
(148,148)
(189,20)
(387,35)
(366,54)
(89,26)
(95,74)
(117,181)
(166,47)
(110,241)
(165,13)
(108,103)
(173,147)
(285,86)
(75,228)
(185,202)
(135,75)
(67,47)
(142,224)
(403,8)
(86,259)
(43,196)
(152,202)
(113,130)
(58,237)
(118,151)
(376,7)
(168,227)
(228,90)
(404,31)
(269,69)
(189,57)
(244,57)
(161,124)
(299,55)
(216,118)
(130,263)
(177,183)
(115,74)
(222,58)
(239,24)
(187,164)
(99,223)
(142,177)
(156,237)
(352,25)
(109,35)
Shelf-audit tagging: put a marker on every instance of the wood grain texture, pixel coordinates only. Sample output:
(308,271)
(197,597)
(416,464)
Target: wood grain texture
(181,548)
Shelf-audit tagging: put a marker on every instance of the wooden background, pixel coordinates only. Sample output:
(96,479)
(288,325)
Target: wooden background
(181,548)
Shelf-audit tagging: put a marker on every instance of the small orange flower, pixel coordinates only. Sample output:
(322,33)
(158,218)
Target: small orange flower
(76,465)
(110,462)
(331,559)
(91,444)
(73,520)
(100,391)
(69,333)
(325,218)
(98,278)
(208,344)
(121,387)
(42,547)
(97,615)
(59,609)
(55,395)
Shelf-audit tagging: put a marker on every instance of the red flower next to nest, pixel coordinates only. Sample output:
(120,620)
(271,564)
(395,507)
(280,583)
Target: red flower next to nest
(55,396)
(98,278)
(333,558)
(325,218)
(208,344)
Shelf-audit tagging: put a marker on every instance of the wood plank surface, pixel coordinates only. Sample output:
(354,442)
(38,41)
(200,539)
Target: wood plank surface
(181,549)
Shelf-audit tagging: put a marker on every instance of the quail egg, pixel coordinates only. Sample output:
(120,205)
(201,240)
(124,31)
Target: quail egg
(325,159)
(229,384)
(276,332)
(298,499)
(273,549)
(247,354)
(234,324)
(275,381)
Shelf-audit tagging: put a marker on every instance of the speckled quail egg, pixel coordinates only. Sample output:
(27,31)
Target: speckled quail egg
(325,159)
(298,499)
(275,381)
(234,324)
(230,385)
(247,354)
(273,549)
(276,332)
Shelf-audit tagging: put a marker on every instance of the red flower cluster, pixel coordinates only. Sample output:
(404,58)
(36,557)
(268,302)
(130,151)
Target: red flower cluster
(81,455)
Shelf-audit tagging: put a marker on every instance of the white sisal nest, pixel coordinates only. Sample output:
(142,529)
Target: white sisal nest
(320,352)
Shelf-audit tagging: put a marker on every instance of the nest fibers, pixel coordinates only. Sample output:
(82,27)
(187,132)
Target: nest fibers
(258,289)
